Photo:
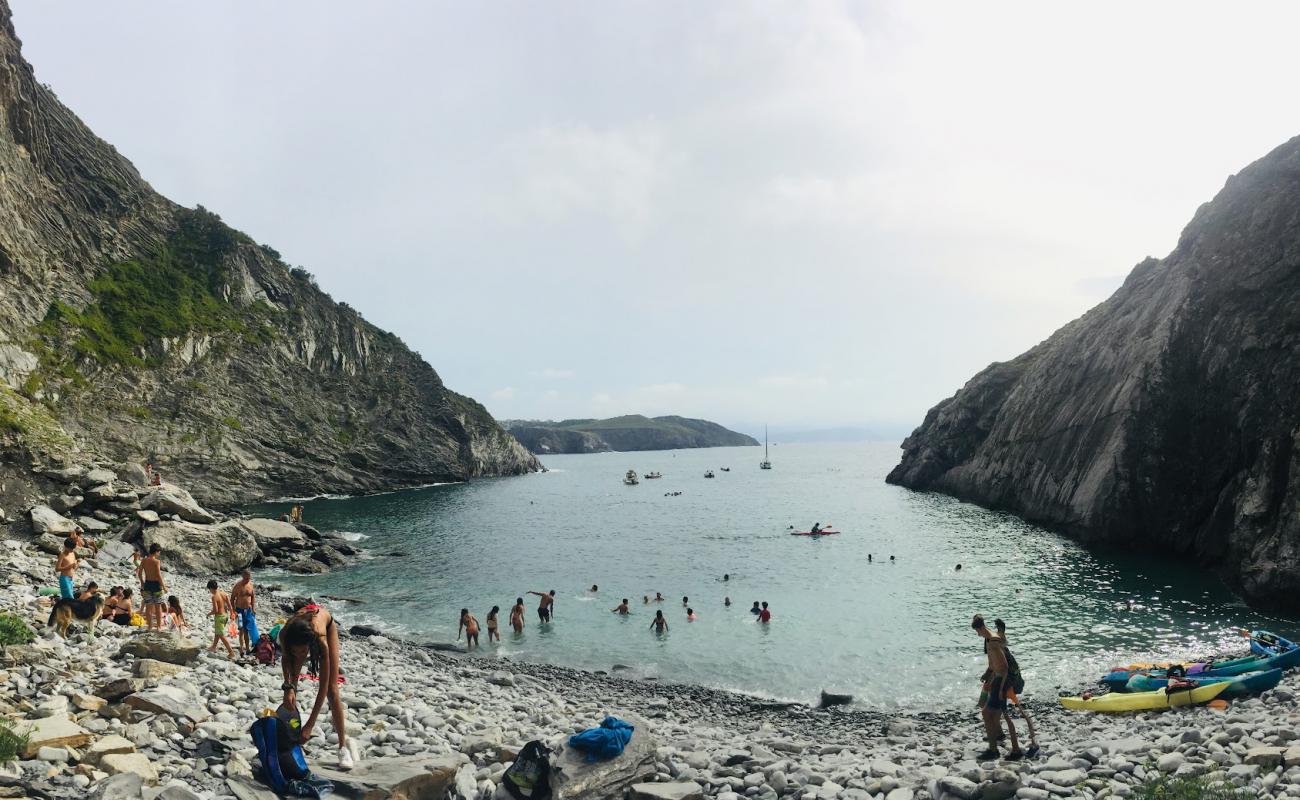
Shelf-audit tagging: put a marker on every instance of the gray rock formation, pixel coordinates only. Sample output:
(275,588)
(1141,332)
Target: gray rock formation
(1167,417)
(573,777)
(203,550)
(145,332)
(629,433)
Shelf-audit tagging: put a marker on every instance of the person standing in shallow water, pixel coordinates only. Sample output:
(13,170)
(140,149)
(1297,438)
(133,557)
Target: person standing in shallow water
(468,626)
(545,606)
(493,634)
(517,616)
(622,608)
(659,624)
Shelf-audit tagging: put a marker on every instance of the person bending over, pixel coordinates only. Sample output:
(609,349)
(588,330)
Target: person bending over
(311,637)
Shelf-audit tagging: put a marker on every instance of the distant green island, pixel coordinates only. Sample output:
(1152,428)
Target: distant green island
(622,434)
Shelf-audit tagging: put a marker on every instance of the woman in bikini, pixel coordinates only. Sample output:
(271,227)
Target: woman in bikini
(311,637)
(493,635)
(469,626)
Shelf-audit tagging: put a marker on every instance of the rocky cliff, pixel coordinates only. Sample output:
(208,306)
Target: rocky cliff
(627,433)
(1168,417)
(132,329)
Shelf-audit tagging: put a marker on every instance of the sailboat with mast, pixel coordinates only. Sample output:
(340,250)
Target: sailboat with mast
(766,463)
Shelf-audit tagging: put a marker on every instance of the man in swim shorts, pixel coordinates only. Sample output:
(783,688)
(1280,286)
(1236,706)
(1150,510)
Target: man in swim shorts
(241,594)
(220,614)
(153,588)
(993,697)
(545,606)
(66,569)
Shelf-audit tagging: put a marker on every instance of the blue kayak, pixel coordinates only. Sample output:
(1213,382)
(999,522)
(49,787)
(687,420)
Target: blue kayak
(1238,685)
(1118,679)
(1263,643)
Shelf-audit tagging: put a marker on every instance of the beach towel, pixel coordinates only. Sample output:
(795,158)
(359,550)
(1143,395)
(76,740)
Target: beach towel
(604,742)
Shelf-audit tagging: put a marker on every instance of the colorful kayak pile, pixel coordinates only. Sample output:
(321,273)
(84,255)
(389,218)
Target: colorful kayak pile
(1144,687)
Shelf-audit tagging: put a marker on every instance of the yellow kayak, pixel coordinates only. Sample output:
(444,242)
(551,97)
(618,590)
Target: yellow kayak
(1147,701)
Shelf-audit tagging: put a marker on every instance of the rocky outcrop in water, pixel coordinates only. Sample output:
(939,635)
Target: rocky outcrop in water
(135,330)
(1166,418)
(625,434)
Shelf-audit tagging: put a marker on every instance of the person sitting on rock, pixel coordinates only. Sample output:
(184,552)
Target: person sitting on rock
(90,591)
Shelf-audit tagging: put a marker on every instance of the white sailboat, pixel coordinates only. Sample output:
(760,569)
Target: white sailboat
(766,463)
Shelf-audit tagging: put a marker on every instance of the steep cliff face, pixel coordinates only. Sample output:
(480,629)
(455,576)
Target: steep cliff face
(627,433)
(1166,418)
(140,330)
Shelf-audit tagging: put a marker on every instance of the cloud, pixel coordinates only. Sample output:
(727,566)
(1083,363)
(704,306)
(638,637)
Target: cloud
(552,374)
(574,171)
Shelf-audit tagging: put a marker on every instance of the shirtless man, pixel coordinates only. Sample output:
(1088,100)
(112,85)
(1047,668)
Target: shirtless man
(622,608)
(545,606)
(993,698)
(152,587)
(66,569)
(220,614)
(517,616)
(241,594)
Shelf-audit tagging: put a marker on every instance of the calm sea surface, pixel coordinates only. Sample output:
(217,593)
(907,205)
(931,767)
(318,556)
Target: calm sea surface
(892,634)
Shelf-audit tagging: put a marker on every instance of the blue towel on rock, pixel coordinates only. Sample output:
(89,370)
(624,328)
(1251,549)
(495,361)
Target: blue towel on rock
(604,742)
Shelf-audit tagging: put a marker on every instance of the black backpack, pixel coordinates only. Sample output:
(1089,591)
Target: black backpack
(1014,678)
(529,778)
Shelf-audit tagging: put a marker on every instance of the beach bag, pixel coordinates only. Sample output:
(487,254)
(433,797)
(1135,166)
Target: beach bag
(283,767)
(137,621)
(604,742)
(1014,679)
(529,777)
(264,652)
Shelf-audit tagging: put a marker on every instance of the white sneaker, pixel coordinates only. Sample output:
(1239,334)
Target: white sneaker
(345,759)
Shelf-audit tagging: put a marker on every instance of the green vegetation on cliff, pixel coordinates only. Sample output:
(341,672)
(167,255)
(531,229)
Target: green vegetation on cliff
(173,291)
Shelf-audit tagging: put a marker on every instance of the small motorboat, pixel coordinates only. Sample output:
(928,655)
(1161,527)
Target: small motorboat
(652,475)
(725,469)
(708,474)
(630,478)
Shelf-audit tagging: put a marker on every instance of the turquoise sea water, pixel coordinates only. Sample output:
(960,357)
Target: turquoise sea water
(891,634)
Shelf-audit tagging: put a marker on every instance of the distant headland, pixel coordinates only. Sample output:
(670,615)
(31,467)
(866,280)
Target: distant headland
(627,433)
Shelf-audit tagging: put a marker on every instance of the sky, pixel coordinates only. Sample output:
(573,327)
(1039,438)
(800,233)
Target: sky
(812,214)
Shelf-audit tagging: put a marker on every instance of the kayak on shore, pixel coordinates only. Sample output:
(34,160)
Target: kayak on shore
(1116,702)
(1118,679)
(1264,643)
(1238,685)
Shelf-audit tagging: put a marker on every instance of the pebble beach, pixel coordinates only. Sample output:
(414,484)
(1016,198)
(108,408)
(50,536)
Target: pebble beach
(107,721)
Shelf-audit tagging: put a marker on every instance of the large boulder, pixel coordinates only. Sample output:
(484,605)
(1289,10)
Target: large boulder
(160,647)
(272,534)
(47,520)
(203,550)
(171,499)
(97,476)
(406,778)
(575,778)
(133,474)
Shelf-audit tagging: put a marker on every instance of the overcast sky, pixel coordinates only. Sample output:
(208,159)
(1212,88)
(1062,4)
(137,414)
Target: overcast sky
(813,214)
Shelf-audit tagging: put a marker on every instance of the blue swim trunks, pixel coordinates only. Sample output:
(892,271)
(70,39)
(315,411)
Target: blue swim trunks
(248,622)
(65,588)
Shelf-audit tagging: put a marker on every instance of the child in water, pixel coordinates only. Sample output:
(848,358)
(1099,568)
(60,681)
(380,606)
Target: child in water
(468,626)
(690,615)
(493,634)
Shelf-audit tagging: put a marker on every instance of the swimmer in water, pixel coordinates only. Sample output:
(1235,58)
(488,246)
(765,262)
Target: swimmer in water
(756,609)
(891,559)
(659,624)
(958,568)
(726,576)
(622,609)
(594,588)
(868,558)
(690,615)
(659,598)
(685,600)
(727,602)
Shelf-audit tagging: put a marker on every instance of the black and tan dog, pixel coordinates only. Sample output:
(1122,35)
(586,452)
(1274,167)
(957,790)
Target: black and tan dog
(87,611)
